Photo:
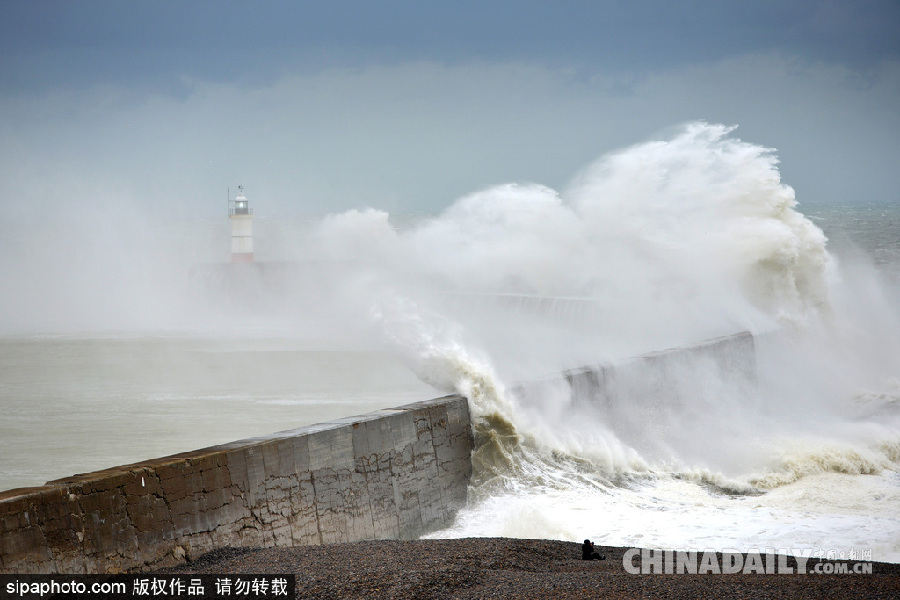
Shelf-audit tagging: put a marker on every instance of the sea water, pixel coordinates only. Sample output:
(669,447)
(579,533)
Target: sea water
(661,245)
(75,403)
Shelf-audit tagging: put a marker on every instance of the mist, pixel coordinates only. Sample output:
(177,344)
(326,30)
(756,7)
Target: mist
(694,232)
(660,245)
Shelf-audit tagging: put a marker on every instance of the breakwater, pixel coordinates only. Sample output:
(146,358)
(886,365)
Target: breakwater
(667,378)
(390,474)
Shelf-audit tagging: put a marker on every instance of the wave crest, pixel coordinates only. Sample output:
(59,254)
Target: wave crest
(830,458)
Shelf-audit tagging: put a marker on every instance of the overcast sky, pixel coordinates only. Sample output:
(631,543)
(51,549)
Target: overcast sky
(318,107)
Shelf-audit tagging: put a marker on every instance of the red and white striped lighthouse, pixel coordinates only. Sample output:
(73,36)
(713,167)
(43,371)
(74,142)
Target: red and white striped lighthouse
(241,217)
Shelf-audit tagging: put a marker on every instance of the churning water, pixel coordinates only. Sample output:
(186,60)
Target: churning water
(674,242)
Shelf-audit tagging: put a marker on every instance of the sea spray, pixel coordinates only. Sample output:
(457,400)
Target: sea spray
(712,209)
(511,449)
(669,243)
(661,246)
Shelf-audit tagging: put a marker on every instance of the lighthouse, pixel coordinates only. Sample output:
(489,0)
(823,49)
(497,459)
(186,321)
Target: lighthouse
(241,218)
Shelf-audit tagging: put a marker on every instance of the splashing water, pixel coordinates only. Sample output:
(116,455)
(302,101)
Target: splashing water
(659,246)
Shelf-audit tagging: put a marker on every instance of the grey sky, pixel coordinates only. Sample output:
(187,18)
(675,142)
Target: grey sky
(322,106)
(111,41)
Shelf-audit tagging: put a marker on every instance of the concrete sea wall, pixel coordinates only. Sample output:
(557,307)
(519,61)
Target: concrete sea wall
(394,473)
(669,377)
(643,400)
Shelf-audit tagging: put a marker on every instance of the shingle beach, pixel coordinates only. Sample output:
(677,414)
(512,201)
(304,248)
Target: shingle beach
(515,568)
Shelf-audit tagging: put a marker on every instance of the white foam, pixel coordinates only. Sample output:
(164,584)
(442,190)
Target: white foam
(668,243)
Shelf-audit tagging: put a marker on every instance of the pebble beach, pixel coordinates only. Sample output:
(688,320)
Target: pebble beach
(515,568)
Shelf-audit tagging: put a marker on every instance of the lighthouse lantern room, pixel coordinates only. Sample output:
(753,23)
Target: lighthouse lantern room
(240,215)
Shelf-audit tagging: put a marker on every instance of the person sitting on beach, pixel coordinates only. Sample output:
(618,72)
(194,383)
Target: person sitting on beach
(588,552)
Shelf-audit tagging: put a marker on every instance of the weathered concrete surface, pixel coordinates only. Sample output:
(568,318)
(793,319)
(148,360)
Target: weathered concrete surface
(667,377)
(390,474)
(652,402)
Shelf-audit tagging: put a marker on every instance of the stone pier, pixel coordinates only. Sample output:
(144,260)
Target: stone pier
(390,474)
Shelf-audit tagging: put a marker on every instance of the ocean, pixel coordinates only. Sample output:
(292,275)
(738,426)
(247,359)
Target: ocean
(661,245)
(77,403)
